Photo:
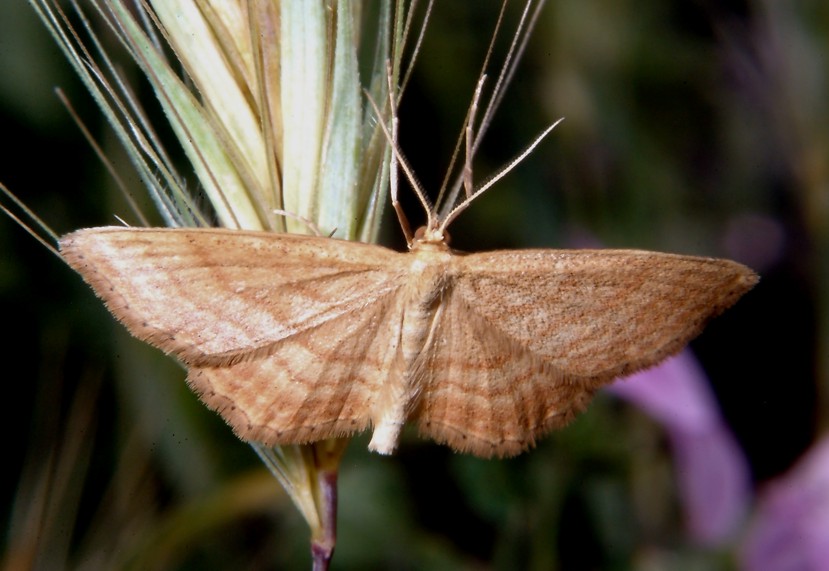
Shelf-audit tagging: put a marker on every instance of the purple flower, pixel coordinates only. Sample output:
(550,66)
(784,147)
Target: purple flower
(712,472)
(790,528)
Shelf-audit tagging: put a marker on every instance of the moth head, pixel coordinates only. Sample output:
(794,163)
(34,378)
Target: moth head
(431,234)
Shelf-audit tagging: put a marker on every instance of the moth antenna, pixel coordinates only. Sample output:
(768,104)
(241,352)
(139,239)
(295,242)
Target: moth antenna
(495,178)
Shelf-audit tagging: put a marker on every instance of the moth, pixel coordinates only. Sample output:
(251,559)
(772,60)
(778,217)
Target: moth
(294,338)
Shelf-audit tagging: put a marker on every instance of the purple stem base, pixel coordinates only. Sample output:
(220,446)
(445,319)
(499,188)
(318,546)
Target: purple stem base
(322,547)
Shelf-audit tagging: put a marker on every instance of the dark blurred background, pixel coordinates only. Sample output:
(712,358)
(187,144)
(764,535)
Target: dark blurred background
(695,127)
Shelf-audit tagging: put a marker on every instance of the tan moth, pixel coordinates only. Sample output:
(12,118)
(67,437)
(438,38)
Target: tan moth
(295,338)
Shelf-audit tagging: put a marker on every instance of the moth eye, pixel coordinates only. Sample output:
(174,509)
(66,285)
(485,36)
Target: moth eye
(420,233)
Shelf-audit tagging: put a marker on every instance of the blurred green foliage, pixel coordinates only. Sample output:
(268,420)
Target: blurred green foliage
(696,127)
